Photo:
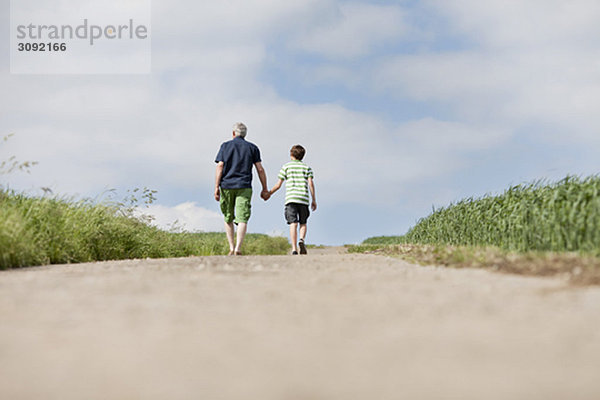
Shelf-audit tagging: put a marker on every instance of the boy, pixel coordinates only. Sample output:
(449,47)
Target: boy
(299,180)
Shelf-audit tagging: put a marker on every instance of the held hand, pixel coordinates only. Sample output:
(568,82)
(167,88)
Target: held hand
(265,195)
(313,205)
(217,194)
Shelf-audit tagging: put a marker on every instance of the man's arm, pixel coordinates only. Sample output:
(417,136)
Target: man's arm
(263,180)
(218,177)
(311,187)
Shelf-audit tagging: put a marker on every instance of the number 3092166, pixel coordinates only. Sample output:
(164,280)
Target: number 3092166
(42,46)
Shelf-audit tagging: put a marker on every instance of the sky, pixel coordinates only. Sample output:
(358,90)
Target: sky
(401,105)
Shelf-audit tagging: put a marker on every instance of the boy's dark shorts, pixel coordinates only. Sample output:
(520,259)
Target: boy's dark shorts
(296,213)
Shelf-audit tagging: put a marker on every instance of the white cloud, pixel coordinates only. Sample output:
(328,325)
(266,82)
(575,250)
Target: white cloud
(354,31)
(142,139)
(532,24)
(234,21)
(188,216)
(343,147)
(446,136)
(352,152)
(276,233)
(527,63)
(432,76)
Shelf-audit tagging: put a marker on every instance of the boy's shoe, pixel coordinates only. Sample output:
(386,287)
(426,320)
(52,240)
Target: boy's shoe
(302,247)
(294,253)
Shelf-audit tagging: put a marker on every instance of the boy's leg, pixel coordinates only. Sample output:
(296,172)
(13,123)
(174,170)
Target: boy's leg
(302,236)
(241,233)
(303,214)
(302,231)
(294,236)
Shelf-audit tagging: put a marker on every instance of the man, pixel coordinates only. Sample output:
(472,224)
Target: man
(233,184)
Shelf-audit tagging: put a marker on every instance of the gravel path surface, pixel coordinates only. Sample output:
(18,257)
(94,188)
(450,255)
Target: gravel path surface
(323,326)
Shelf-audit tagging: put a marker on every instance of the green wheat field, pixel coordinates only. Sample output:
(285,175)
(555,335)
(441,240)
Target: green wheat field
(540,216)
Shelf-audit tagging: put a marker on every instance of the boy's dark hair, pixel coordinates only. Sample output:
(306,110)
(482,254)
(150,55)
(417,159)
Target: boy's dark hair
(297,152)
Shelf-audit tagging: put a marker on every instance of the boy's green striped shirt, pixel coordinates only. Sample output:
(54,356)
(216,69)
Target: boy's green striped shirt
(296,174)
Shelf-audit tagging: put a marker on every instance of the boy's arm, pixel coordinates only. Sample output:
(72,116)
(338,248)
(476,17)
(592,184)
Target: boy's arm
(311,187)
(276,187)
(218,177)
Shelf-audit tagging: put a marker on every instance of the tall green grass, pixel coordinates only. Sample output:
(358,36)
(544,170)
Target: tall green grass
(37,231)
(561,216)
(385,240)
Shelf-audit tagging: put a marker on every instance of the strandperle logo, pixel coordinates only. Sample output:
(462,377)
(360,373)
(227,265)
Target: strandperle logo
(84,31)
(80,36)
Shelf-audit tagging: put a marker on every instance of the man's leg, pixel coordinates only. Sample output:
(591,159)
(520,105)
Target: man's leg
(241,233)
(227,207)
(229,232)
(294,236)
(243,206)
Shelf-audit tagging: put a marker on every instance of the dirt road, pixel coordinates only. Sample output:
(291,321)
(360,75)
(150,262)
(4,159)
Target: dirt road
(323,326)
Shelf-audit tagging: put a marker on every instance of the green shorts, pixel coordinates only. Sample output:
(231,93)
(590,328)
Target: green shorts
(235,205)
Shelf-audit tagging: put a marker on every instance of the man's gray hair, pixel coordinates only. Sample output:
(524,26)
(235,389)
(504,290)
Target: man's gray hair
(239,129)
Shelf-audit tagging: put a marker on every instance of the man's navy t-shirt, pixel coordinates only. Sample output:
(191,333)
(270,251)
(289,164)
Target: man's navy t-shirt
(238,157)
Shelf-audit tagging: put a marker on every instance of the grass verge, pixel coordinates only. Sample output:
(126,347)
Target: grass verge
(38,231)
(538,229)
(577,268)
(540,216)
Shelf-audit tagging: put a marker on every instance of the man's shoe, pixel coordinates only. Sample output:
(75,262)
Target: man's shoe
(302,247)
(294,253)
